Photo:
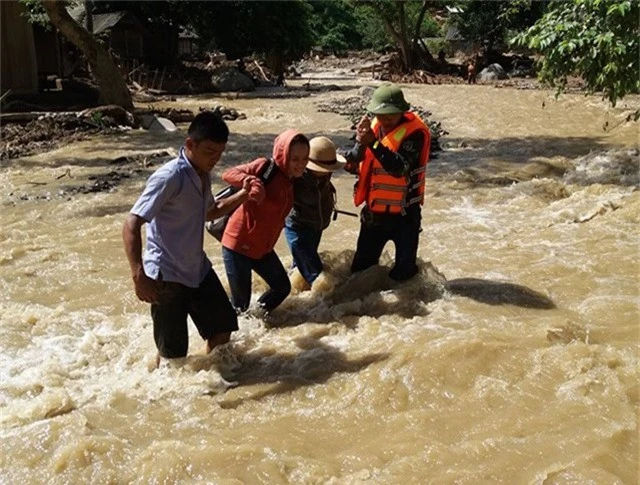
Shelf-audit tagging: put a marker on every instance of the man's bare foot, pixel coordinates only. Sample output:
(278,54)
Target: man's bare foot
(157,361)
(215,340)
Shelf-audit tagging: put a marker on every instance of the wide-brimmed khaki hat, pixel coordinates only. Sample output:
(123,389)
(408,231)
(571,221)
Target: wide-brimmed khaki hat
(323,156)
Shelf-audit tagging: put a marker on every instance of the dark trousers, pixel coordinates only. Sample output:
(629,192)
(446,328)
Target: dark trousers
(270,269)
(377,229)
(303,243)
(209,308)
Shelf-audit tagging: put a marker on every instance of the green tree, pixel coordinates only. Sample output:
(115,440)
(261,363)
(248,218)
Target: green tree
(491,23)
(280,29)
(403,23)
(334,25)
(598,40)
(35,13)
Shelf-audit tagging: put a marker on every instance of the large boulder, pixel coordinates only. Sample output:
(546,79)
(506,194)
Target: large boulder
(230,79)
(493,72)
(108,115)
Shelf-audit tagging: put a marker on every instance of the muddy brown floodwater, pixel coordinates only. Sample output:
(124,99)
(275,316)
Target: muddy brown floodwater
(511,358)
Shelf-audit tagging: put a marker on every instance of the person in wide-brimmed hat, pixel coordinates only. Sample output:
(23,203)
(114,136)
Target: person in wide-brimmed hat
(313,204)
(390,158)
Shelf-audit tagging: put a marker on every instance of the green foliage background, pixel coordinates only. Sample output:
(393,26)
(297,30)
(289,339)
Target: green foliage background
(598,40)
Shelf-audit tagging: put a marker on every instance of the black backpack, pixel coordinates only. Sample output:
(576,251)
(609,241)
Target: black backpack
(216,227)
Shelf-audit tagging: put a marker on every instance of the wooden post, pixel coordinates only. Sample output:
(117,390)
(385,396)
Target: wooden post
(162,77)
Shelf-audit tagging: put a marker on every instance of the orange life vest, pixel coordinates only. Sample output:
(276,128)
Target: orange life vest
(387,193)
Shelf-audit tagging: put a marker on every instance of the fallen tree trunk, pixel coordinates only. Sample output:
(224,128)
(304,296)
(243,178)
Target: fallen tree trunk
(112,88)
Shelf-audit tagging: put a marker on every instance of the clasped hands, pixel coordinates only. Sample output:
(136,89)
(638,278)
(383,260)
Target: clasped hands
(255,188)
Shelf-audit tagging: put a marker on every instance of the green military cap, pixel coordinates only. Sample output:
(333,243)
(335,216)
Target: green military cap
(387,99)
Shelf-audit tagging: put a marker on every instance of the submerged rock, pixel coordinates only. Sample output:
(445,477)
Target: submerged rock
(499,293)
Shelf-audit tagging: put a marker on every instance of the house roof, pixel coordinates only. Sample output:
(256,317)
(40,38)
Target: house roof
(105,21)
(186,33)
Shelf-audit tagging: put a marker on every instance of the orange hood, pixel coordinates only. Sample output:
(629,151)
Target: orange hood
(281,147)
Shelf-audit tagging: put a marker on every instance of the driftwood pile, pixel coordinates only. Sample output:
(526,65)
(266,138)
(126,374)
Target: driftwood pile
(69,183)
(226,113)
(423,77)
(193,77)
(183,115)
(383,67)
(34,132)
(389,68)
(29,133)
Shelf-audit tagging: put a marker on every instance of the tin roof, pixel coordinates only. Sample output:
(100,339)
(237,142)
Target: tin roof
(104,21)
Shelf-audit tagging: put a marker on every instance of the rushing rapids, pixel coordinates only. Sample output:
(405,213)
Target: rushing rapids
(511,358)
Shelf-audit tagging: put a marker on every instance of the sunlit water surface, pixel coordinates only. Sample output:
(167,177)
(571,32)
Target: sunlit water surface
(511,358)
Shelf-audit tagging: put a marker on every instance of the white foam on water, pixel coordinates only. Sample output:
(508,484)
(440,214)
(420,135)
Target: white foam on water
(358,379)
(614,167)
(473,213)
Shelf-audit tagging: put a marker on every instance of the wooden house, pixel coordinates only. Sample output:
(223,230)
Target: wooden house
(18,70)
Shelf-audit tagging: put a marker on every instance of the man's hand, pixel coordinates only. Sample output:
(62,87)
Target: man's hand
(364,134)
(352,167)
(146,288)
(364,123)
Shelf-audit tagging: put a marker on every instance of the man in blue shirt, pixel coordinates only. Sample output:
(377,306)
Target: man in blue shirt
(175,275)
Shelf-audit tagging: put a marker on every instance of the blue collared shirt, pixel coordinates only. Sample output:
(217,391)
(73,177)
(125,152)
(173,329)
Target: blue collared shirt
(174,203)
